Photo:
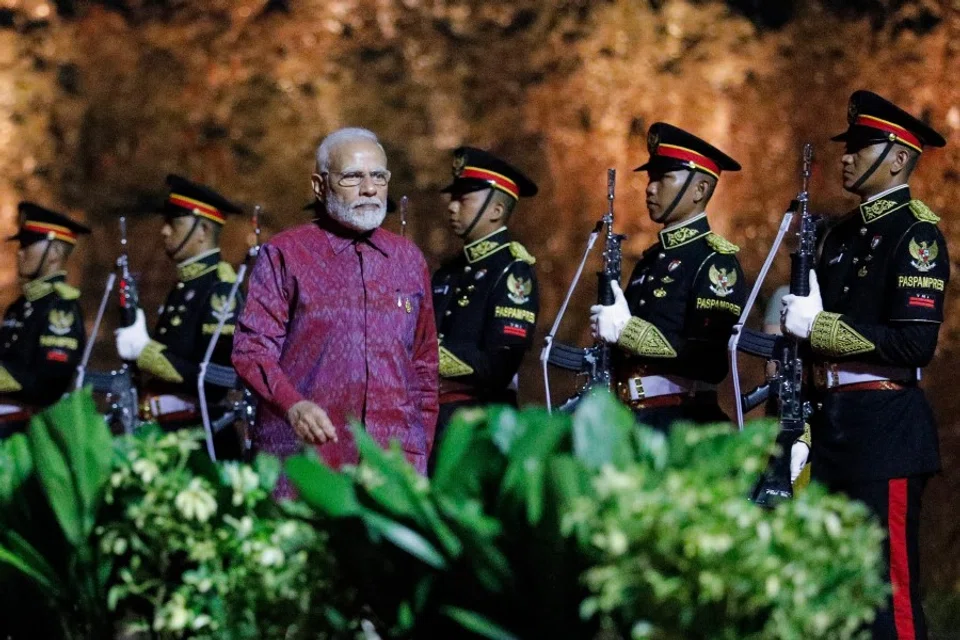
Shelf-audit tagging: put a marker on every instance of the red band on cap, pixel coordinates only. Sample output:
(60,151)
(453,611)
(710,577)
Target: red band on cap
(197,208)
(701,161)
(45,228)
(498,180)
(902,134)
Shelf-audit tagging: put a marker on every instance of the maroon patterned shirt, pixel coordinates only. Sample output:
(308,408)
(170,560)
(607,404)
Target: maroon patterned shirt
(346,322)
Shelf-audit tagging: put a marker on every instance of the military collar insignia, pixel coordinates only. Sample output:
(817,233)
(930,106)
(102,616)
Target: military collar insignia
(885,204)
(487,246)
(36,289)
(685,233)
(197,266)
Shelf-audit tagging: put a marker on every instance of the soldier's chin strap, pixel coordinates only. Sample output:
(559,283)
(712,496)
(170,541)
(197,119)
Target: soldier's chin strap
(43,258)
(676,200)
(186,238)
(476,218)
(876,165)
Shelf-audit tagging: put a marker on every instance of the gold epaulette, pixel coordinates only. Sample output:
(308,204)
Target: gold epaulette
(520,252)
(226,273)
(922,212)
(65,291)
(721,244)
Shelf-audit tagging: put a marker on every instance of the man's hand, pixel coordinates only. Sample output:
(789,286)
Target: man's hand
(132,340)
(311,423)
(799,312)
(799,454)
(607,322)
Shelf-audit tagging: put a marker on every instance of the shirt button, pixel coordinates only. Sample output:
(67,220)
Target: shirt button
(863,231)
(642,302)
(467,269)
(163,330)
(856,260)
(457,290)
(439,336)
(179,285)
(14,337)
(447,312)
(845,289)
(661,255)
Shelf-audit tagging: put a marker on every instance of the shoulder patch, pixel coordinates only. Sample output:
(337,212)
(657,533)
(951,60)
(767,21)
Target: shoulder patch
(65,291)
(226,273)
(922,212)
(721,244)
(520,252)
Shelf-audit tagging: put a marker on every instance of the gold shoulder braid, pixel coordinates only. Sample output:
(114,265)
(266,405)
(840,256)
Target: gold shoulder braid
(644,339)
(65,291)
(721,244)
(833,336)
(451,366)
(922,212)
(226,273)
(520,252)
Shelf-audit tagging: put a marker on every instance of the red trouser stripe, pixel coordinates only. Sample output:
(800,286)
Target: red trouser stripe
(899,563)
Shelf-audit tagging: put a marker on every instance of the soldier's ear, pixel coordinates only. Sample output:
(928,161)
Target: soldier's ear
(702,191)
(497,210)
(901,160)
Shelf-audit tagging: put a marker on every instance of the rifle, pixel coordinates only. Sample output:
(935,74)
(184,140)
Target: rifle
(793,407)
(223,375)
(595,363)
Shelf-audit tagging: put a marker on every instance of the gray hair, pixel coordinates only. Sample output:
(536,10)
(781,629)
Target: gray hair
(347,134)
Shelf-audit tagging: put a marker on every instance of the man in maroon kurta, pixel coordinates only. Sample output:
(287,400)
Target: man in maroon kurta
(339,321)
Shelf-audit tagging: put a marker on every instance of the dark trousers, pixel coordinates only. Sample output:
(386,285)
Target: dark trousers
(703,409)
(896,502)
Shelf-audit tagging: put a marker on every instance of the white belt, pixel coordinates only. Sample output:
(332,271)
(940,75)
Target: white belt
(7,409)
(837,375)
(164,404)
(645,387)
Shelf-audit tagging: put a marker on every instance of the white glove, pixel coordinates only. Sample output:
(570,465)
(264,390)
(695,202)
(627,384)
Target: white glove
(799,312)
(799,454)
(133,339)
(607,322)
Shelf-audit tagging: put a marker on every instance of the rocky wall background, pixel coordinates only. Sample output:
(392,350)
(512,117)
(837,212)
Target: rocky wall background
(100,100)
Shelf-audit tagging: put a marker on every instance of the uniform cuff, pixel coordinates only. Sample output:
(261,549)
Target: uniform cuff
(151,359)
(831,336)
(451,366)
(8,384)
(644,339)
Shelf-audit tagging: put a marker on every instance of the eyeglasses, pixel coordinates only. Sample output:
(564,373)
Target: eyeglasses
(356,178)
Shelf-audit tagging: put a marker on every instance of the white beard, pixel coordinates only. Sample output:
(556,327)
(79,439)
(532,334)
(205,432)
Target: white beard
(353,216)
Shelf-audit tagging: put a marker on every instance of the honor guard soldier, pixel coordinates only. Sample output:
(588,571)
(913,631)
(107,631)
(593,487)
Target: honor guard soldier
(672,322)
(486,299)
(42,338)
(194,216)
(872,322)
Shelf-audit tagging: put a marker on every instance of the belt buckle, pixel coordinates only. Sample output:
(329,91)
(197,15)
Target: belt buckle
(826,376)
(630,391)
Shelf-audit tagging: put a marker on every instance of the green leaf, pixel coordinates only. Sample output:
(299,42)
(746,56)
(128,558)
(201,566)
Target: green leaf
(72,450)
(16,465)
(406,539)
(523,480)
(268,469)
(328,491)
(28,561)
(602,431)
(481,625)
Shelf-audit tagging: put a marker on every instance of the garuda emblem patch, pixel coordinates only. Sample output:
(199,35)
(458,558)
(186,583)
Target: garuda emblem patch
(60,322)
(519,289)
(924,255)
(223,306)
(722,281)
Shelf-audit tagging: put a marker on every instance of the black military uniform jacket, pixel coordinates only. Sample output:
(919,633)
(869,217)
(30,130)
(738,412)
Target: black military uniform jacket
(883,272)
(486,304)
(41,343)
(685,295)
(188,320)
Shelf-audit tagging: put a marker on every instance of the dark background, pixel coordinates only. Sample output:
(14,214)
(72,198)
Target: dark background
(99,100)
